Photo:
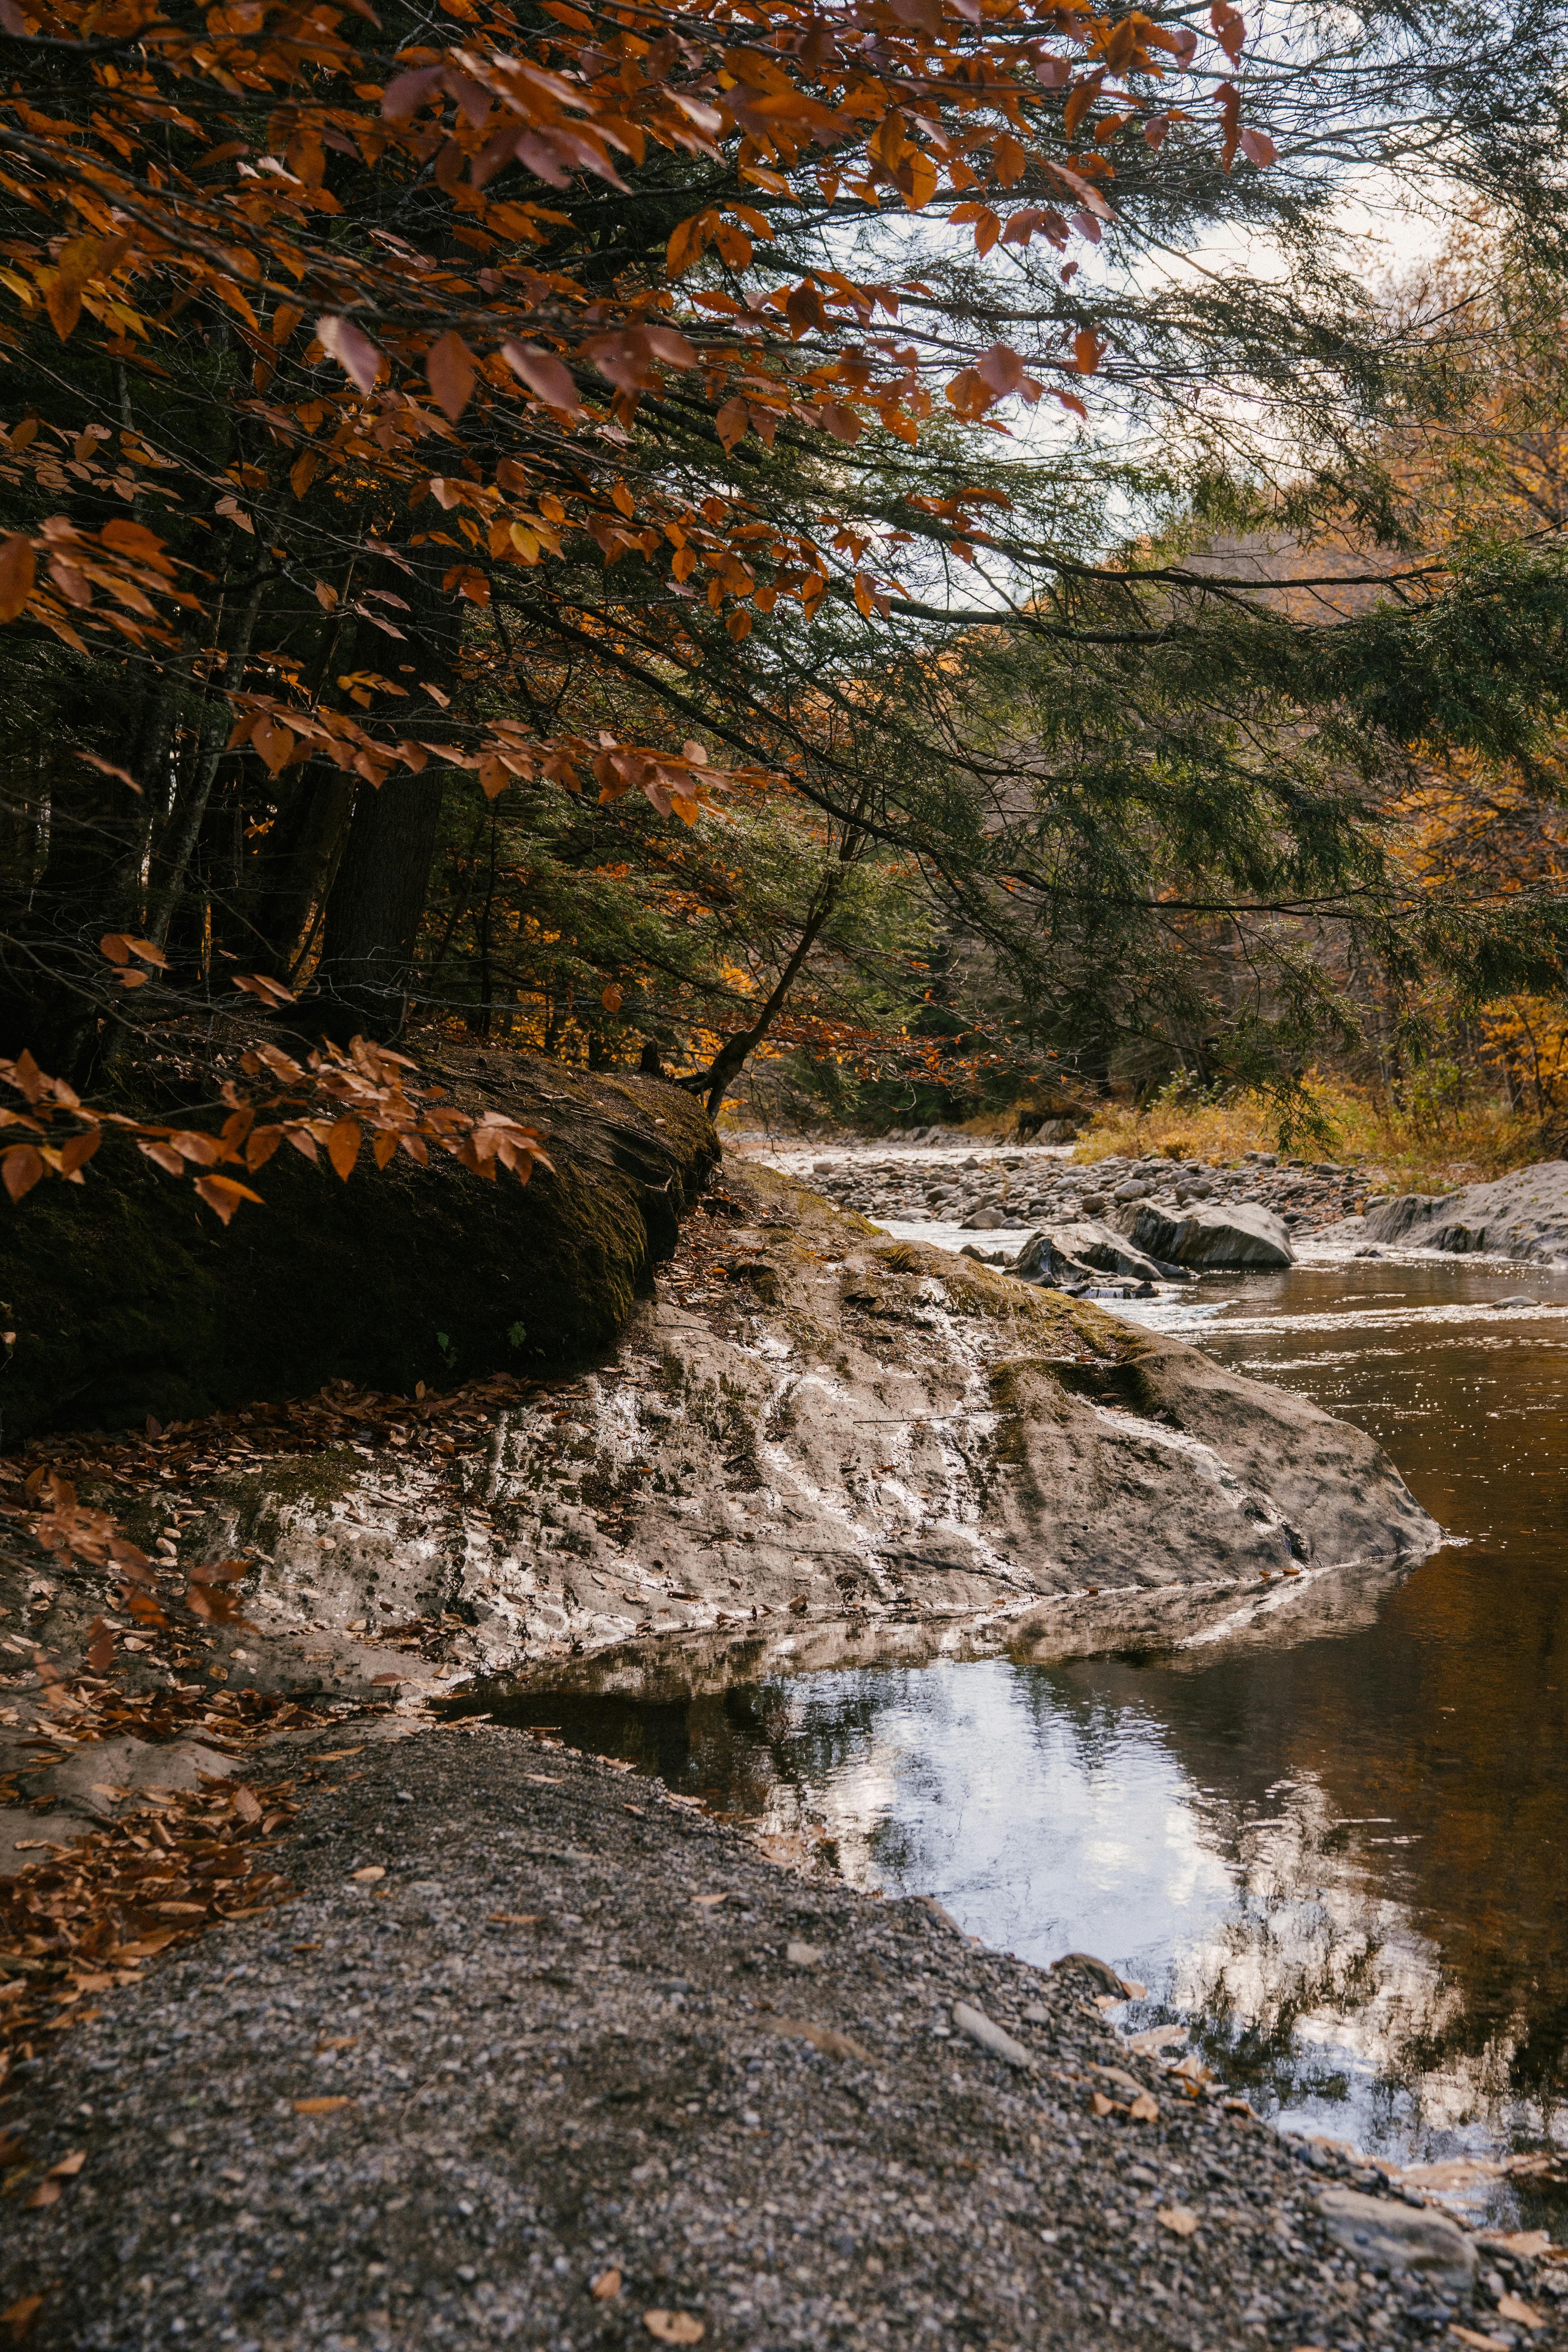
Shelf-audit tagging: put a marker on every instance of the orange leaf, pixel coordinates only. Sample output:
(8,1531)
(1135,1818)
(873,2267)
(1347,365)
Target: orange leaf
(1087,349)
(543,374)
(18,569)
(732,422)
(449,366)
(20,1169)
(343,1146)
(321,2106)
(611,998)
(223,1195)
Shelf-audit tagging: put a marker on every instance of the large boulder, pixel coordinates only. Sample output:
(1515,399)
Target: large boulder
(1235,1238)
(1523,1215)
(1085,1247)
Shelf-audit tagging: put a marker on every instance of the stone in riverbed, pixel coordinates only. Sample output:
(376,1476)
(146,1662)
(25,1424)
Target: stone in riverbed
(1375,2229)
(1237,1238)
(1079,1248)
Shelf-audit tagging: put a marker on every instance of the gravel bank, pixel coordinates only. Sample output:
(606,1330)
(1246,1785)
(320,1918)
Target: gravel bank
(562,2074)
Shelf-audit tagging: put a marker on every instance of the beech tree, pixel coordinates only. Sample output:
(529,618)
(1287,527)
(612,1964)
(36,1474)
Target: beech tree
(631,401)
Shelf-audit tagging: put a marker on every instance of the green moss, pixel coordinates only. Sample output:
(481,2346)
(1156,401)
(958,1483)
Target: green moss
(130,1299)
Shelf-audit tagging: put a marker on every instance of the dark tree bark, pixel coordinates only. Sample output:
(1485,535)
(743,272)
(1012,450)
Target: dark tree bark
(373,908)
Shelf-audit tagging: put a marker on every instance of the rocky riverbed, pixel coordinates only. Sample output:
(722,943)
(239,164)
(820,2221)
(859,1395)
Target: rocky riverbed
(984,1189)
(536,2055)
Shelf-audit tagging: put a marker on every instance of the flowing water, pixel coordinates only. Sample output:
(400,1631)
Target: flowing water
(1338,1852)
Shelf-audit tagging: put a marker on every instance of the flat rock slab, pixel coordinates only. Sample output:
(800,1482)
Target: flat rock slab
(1410,2238)
(443,2112)
(1230,1240)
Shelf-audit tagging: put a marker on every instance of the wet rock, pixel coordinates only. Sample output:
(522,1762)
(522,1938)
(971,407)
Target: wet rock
(1235,1237)
(1377,2230)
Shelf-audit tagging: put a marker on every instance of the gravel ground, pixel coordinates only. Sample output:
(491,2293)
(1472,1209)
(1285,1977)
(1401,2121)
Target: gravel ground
(586,2093)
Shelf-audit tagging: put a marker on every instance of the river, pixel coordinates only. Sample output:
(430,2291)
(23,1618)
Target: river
(1339,1855)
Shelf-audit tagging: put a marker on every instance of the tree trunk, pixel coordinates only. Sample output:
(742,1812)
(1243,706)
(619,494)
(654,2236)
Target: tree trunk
(373,908)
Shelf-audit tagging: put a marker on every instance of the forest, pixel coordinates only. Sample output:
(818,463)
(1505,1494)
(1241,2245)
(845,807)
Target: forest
(924,543)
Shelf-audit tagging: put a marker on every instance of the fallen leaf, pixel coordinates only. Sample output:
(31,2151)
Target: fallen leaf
(368,1876)
(48,2192)
(336,2042)
(1523,2314)
(1480,2343)
(1180,2222)
(606,2287)
(515,1918)
(1159,2037)
(321,2106)
(640,1811)
(333,1755)
(675,2326)
(19,2315)
(1104,2106)
(1528,2242)
(68,2166)
(707,1902)
(1145,2108)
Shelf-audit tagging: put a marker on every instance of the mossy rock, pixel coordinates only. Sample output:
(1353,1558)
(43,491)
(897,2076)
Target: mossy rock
(127,1297)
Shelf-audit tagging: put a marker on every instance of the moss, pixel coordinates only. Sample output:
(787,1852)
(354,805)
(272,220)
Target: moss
(261,1499)
(130,1298)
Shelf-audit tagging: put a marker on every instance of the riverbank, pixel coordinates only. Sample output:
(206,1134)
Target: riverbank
(536,2054)
(812,1444)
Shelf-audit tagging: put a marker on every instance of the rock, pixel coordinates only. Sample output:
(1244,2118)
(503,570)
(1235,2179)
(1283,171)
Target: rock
(1093,1245)
(1375,2229)
(991,2036)
(1237,1238)
(986,1221)
(1101,1971)
(803,1956)
(1523,1215)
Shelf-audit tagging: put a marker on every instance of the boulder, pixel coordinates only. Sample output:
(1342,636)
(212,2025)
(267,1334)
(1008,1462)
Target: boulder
(1523,1215)
(1089,1248)
(1237,1238)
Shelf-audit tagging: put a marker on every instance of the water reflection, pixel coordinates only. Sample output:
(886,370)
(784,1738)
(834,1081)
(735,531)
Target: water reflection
(1344,1857)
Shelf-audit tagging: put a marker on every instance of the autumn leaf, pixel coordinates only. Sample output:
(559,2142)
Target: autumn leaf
(352,348)
(321,2106)
(543,374)
(343,1145)
(1088,348)
(732,422)
(20,1169)
(611,998)
(18,569)
(606,2286)
(223,1195)
(675,2326)
(450,368)
(1178,2219)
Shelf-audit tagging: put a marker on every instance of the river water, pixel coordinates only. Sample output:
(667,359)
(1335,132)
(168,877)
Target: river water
(1338,1852)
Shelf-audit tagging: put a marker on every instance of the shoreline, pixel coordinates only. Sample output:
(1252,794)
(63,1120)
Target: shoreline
(515,2034)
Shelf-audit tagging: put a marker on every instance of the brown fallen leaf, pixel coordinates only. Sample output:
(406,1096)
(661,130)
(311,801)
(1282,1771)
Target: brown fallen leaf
(368,1876)
(1478,2342)
(321,2106)
(19,2315)
(1104,2106)
(1145,2108)
(12,2146)
(675,2326)
(336,2042)
(515,1918)
(1528,2242)
(48,2192)
(331,1754)
(246,1806)
(1179,2220)
(640,1811)
(68,2166)
(826,2038)
(606,2286)
(707,1902)
(1514,2307)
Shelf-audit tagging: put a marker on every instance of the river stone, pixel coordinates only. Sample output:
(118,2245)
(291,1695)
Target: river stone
(1235,1237)
(1406,2237)
(1524,1215)
(991,2036)
(1102,1248)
